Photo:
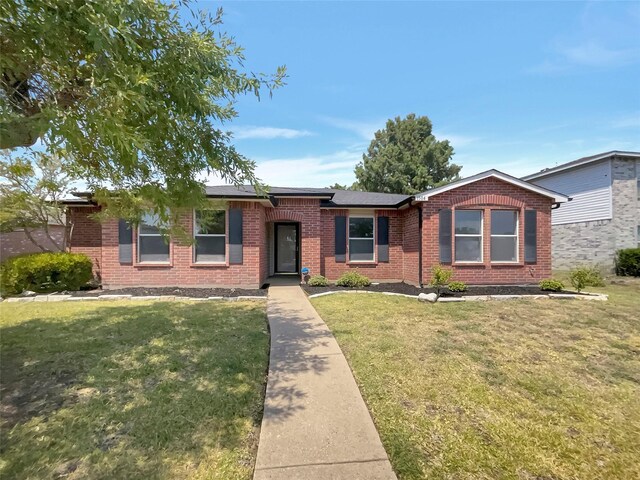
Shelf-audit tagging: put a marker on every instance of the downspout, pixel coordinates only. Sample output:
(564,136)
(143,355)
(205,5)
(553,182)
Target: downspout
(420,245)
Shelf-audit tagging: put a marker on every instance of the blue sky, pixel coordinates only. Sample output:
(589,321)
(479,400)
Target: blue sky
(513,86)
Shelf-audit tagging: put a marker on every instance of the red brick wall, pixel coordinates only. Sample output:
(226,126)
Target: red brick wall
(307,213)
(485,195)
(411,245)
(182,271)
(86,236)
(378,271)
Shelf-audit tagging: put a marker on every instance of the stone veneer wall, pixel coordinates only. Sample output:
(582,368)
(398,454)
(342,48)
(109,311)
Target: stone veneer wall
(595,243)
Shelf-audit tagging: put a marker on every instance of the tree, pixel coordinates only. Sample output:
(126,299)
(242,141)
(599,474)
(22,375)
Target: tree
(405,157)
(136,94)
(31,190)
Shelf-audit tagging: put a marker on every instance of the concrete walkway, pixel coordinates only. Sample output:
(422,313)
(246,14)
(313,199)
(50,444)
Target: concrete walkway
(315,424)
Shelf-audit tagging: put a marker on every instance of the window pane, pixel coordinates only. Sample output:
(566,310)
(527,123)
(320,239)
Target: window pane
(148,224)
(468,249)
(503,222)
(210,222)
(361,250)
(361,227)
(469,222)
(503,249)
(210,249)
(153,249)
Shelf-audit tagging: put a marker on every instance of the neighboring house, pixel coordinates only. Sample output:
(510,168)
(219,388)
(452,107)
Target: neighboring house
(604,213)
(490,228)
(17,242)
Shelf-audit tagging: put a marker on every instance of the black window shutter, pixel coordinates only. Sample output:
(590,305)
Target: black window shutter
(235,235)
(341,238)
(383,239)
(445,235)
(125,242)
(530,236)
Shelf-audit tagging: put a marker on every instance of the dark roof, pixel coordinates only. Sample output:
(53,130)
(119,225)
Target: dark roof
(581,161)
(330,197)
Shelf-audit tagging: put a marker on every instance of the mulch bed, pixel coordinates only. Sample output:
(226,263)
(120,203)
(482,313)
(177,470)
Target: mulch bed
(407,289)
(178,292)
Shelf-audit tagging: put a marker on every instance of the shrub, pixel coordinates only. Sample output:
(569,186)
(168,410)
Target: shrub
(440,277)
(45,272)
(581,277)
(551,285)
(457,286)
(628,262)
(318,281)
(353,279)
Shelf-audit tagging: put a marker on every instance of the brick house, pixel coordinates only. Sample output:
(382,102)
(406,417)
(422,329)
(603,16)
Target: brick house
(604,214)
(490,228)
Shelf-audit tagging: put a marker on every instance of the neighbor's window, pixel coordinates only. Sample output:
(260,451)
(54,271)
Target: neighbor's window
(504,236)
(152,245)
(361,239)
(210,228)
(468,235)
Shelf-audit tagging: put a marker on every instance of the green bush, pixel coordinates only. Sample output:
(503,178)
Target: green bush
(628,262)
(551,285)
(457,286)
(45,272)
(318,281)
(353,279)
(440,277)
(581,277)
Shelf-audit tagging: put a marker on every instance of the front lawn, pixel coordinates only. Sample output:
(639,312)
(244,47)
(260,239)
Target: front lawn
(102,390)
(538,389)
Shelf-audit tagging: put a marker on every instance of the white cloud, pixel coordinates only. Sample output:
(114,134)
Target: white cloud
(267,133)
(456,141)
(364,129)
(305,171)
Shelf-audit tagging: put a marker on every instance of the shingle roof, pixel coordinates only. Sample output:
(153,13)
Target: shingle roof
(330,197)
(580,161)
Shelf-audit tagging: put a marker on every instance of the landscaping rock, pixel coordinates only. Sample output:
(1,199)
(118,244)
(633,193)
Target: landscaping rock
(28,293)
(428,297)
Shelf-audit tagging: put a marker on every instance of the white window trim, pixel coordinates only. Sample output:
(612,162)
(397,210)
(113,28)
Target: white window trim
(481,235)
(349,237)
(146,262)
(226,231)
(516,236)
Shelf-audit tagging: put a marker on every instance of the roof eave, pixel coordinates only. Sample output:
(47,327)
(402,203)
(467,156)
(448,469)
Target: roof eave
(575,164)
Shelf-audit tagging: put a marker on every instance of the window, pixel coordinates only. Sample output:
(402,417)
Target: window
(504,236)
(361,241)
(152,246)
(468,235)
(210,228)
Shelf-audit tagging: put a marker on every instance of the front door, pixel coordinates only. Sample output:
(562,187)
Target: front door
(286,247)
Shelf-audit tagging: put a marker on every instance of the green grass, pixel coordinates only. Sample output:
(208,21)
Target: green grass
(528,390)
(105,390)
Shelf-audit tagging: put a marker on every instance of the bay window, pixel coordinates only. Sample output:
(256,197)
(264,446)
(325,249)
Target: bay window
(153,247)
(361,239)
(210,229)
(504,236)
(468,236)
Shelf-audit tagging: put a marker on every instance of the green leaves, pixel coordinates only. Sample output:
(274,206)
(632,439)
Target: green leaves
(405,157)
(137,96)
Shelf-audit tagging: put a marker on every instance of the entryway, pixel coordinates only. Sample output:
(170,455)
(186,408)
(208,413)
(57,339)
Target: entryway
(286,248)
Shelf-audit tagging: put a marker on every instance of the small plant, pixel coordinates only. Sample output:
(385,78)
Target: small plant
(353,279)
(551,285)
(581,277)
(45,272)
(457,287)
(318,281)
(440,277)
(628,262)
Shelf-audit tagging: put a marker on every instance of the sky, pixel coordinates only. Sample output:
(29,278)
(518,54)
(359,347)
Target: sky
(513,86)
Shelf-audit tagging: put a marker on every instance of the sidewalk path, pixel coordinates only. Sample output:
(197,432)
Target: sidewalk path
(315,424)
